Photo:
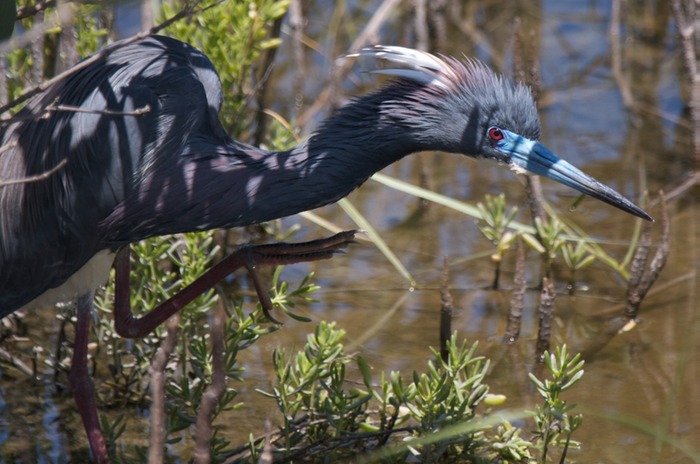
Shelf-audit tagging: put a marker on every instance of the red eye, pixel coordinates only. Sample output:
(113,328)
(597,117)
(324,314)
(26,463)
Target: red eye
(495,134)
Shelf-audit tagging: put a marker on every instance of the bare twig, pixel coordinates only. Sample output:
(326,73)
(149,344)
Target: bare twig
(535,197)
(27,11)
(157,374)
(38,177)
(188,10)
(64,15)
(437,22)
(76,109)
(641,279)
(296,24)
(518,52)
(210,398)
(17,363)
(685,14)
(54,107)
(66,48)
(300,425)
(533,185)
(680,190)
(147,19)
(517,298)
(657,264)
(3,82)
(446,307)
(266,456)
(468,27)
(616,55)
(638,265)
(381,15)
(343,64)
(37,52)
(268,61)
(544,332)
(329,444)
(420,21)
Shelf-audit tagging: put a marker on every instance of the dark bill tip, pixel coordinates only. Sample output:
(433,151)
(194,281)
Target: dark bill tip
(536,158)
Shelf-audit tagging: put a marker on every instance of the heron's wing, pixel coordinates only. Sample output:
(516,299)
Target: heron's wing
(106,128)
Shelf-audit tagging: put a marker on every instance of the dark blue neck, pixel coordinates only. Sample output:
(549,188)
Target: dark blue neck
(220,183)
(359,140)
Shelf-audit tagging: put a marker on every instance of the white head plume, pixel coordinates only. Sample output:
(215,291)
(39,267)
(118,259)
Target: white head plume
(418,66)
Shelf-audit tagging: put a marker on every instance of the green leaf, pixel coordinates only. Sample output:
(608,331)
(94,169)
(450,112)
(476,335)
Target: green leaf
(365,371)
(365,225)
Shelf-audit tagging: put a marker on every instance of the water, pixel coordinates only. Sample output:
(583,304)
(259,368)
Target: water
(640,392)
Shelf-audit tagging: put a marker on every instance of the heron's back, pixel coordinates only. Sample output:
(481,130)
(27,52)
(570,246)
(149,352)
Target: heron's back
(105,130)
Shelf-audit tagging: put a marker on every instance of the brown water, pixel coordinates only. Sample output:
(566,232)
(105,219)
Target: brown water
(640,396)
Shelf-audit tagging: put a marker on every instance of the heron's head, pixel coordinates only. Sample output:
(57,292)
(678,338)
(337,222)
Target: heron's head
(464,107)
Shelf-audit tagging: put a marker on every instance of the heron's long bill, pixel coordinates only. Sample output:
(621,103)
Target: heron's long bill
(536,158)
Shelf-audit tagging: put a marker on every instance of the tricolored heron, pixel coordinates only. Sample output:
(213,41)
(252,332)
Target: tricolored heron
(131,147)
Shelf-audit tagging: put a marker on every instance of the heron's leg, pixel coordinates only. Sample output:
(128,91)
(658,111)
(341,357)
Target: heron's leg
(81,384)
(248,257)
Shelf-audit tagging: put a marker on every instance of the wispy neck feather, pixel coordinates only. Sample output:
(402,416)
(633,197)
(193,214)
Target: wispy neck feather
(230,184)
(360,139)
(404,117)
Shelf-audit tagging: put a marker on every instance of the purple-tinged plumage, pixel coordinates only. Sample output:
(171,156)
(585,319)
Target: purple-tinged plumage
(145,154)
(174,169)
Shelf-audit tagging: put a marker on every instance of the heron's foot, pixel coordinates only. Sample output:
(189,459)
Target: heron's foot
(290,253)
(249,257)
(277,254)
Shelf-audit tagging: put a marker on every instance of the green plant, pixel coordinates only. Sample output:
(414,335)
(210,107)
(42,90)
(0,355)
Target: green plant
(432,417)
(553,420)
(576,258)
(508,446)
(551,237)
(493,224)
(162,267)
(285,299)
(311,384)
(27,66)
(185,392)
(233,35)
(89,31)
(447,394)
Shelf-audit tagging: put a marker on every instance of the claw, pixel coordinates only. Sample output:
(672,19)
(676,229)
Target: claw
(263,294)
(290,253)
